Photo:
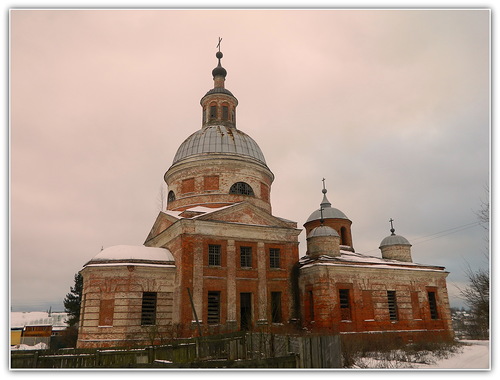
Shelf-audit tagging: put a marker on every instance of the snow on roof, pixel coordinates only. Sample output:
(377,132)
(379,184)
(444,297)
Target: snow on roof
(20,319)
(347,258)
(133,253)
(198,209)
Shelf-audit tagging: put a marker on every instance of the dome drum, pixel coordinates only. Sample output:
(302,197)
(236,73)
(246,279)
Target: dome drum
(341,226)
(323,240)
(396,247)
(218,180)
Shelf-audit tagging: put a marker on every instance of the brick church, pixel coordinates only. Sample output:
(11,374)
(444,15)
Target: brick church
(218,260)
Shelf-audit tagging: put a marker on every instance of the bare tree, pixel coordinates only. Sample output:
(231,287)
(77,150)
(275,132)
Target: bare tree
(162,197)
(477,293)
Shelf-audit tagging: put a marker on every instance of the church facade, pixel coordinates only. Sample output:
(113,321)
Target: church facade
(218,260)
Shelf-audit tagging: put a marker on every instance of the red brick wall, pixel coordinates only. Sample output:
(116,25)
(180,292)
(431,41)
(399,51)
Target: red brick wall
(368,299)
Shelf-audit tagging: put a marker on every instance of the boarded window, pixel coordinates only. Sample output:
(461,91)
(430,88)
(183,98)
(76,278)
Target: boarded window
(211,182)
(368,310)
(310,296)
(106,309)
(415,305)
(433,305)
(345,305)
(274,258)
(392,305)
(246,257)
(214,254)
(188,185)
(276,307)
(148,315)
(241,188)
(213,305)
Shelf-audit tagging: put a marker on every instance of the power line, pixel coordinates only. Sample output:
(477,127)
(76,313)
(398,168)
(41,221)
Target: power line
(443,233)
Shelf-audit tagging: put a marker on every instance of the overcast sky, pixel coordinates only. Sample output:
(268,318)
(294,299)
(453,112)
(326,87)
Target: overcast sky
(391,107)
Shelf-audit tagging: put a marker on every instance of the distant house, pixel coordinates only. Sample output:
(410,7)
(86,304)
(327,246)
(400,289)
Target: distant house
(30,328)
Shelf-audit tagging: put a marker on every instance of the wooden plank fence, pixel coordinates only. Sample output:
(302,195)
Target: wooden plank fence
(234,350)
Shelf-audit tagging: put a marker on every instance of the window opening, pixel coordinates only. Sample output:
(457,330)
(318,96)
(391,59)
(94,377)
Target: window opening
(245,311)
(214,254)
(276,307)
(225,112)
(241,188)
(433,305)
(148,315)
(345,305)
(171,196)
(393,307)
(246,257)
(274,258)
(213,305)
(213,112)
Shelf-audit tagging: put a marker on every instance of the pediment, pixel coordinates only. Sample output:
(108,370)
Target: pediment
(246,213)
(162,222)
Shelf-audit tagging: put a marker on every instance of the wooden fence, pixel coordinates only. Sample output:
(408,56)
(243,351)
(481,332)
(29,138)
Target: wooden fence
(235,350)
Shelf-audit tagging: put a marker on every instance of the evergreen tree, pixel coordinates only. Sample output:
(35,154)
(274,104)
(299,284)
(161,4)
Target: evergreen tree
(73,301)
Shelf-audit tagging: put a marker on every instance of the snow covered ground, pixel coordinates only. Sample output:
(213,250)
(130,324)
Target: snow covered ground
(475,355)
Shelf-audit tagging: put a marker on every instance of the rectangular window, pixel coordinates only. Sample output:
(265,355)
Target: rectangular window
(393,307)
(274,258)
(214,254)
(345,305)
(213,305)
(106,309)
(148,315)
(433,305)
(276,307)
(246,257)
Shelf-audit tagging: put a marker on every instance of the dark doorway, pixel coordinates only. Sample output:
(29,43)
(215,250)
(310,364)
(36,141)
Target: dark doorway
(245,311)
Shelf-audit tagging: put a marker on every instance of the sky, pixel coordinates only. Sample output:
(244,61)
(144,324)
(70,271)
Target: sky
(390,106)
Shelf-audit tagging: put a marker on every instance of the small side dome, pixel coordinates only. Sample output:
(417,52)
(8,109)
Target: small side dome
(322,231)
(133,254)
(394,240)
(328,213)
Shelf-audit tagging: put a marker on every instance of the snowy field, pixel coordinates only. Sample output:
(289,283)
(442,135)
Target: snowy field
(476,355)
(473,355)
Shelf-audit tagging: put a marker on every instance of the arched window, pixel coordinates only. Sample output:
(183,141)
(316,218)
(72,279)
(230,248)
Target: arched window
(225,112)
(171,196)
(343,236)
(213,111)
(241,188)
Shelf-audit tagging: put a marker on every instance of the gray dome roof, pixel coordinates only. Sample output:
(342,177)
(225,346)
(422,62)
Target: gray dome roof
(394,240)
(219,139)
(328,213)
(322,231)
